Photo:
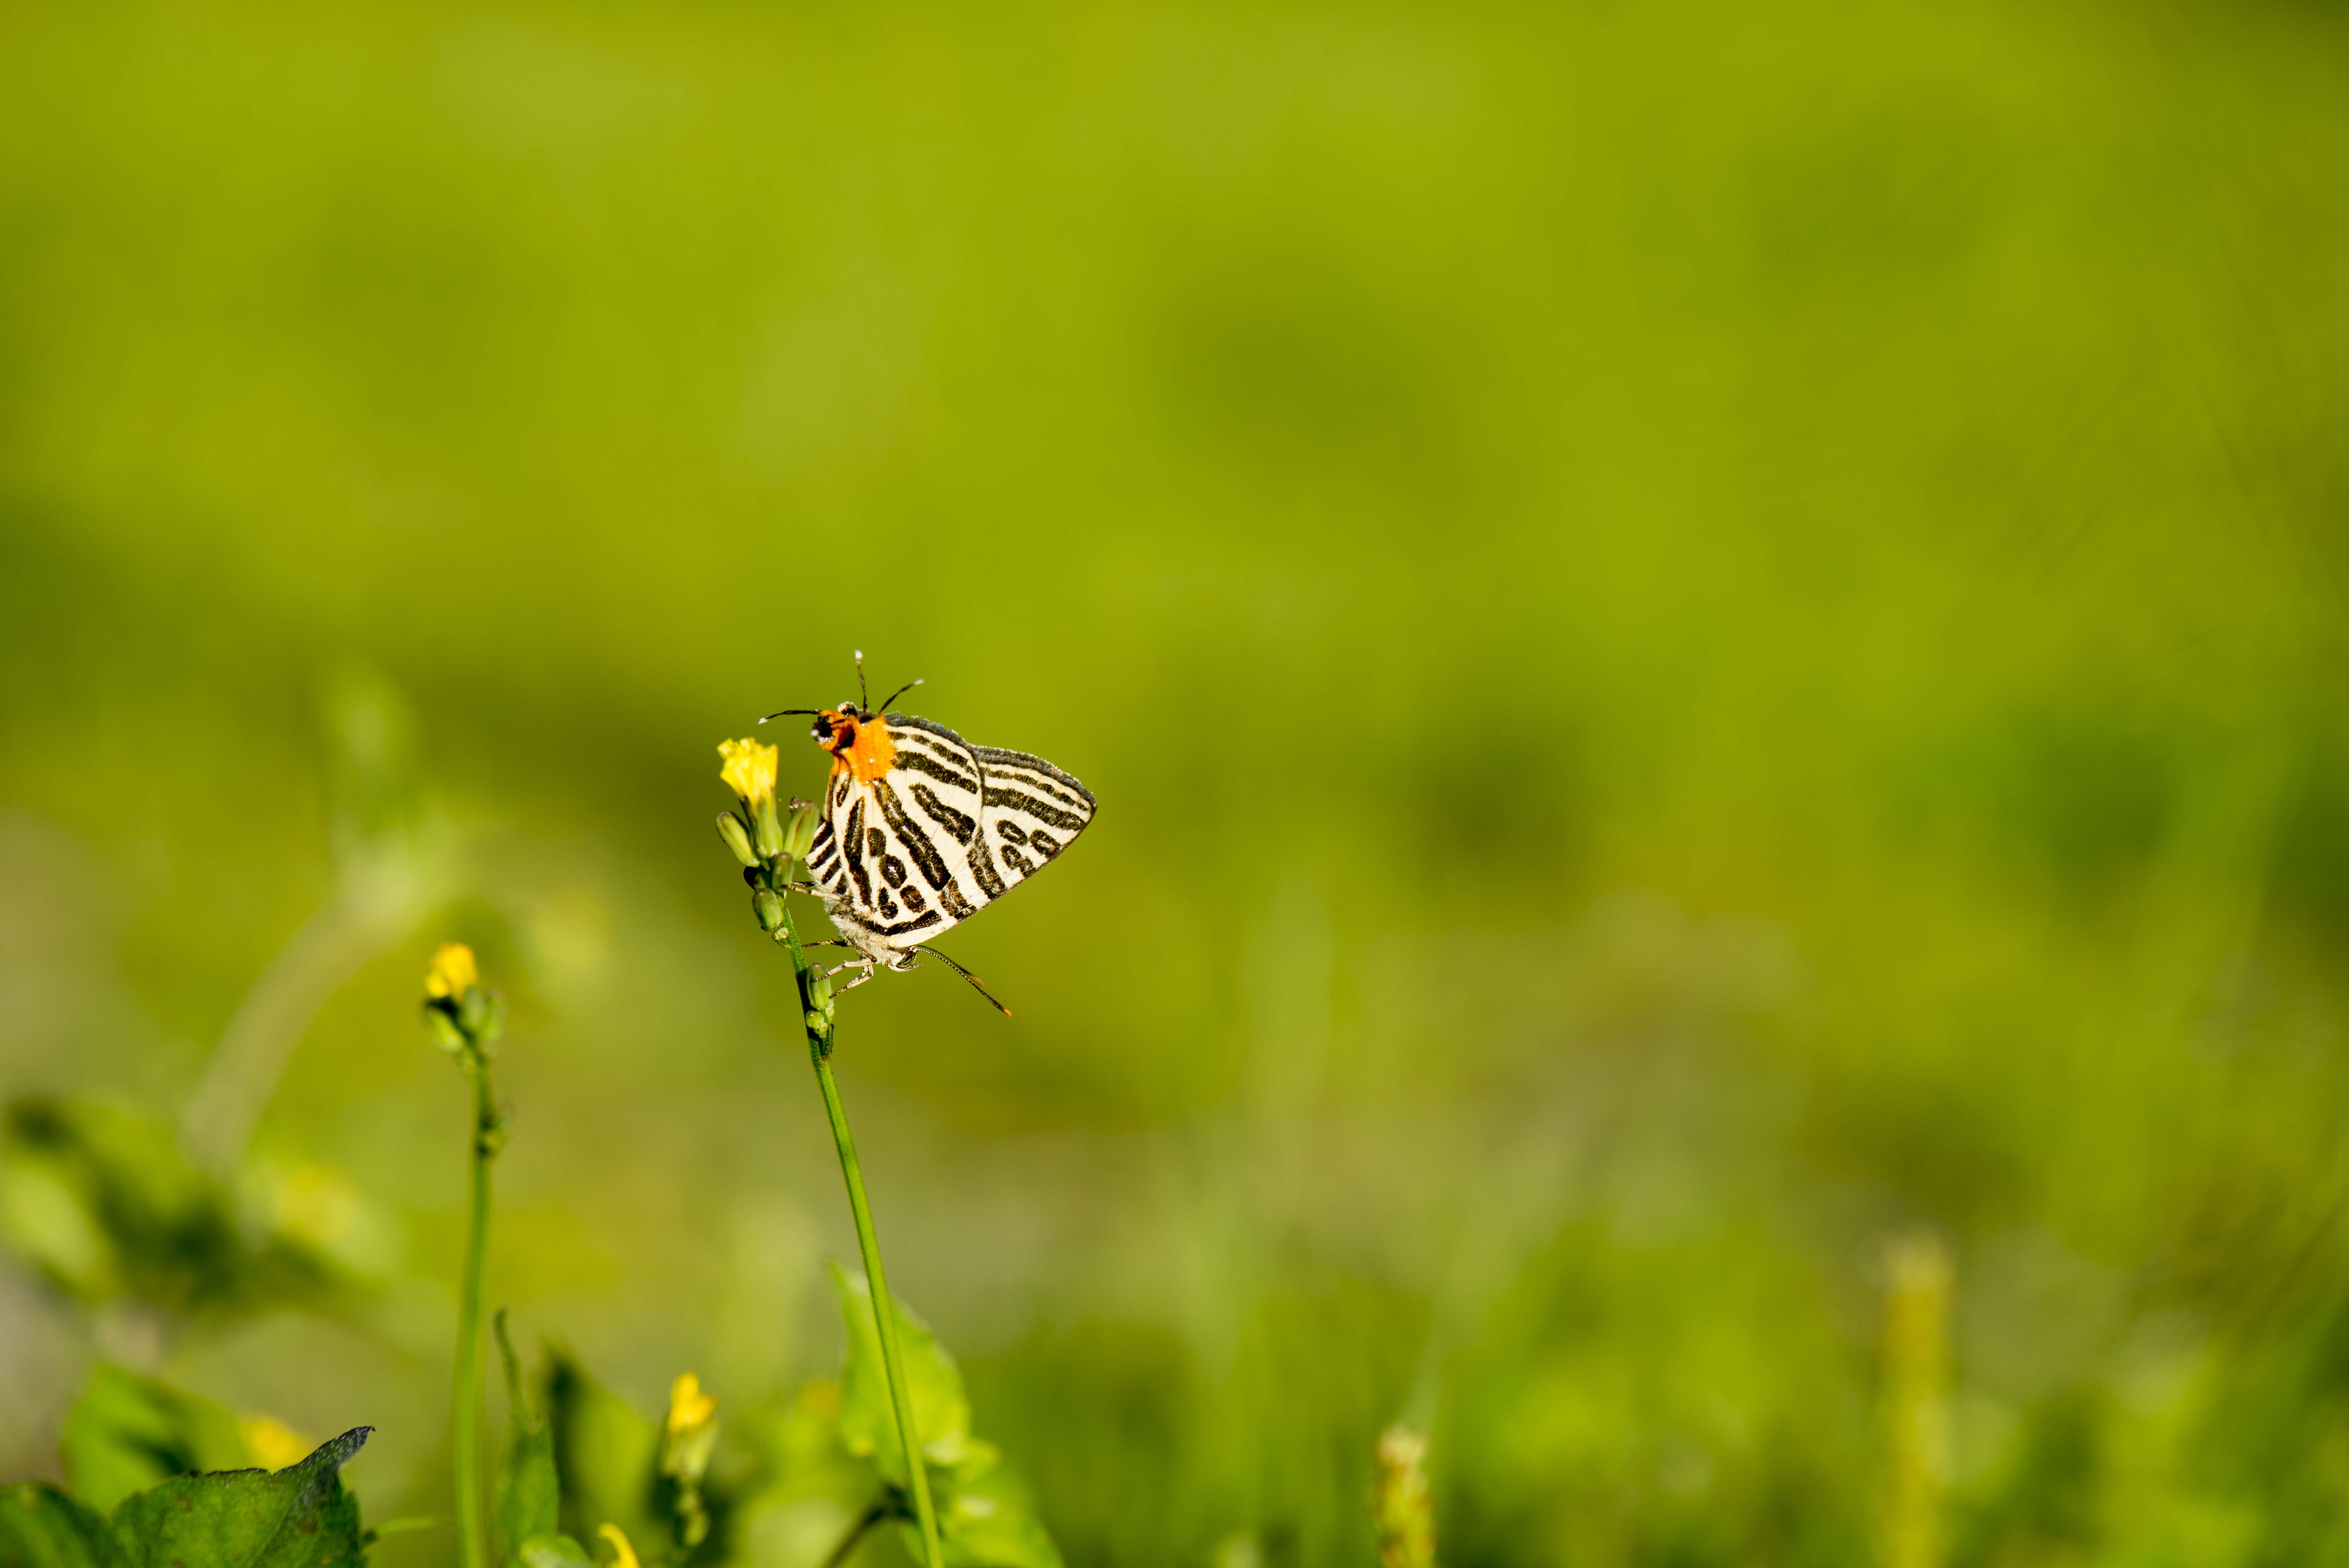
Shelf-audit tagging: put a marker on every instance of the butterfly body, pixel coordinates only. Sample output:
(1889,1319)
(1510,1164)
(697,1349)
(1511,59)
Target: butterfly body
(920,829)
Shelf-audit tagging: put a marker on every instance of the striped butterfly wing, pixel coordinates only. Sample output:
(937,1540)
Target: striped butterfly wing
(881,858)
(1033,812)
(949,829)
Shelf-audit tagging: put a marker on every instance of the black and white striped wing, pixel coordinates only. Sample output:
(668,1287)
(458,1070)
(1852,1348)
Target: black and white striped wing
(890,856)
(948,829)
(1033,812)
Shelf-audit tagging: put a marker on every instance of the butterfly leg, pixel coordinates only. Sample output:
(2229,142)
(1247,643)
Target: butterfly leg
(853,985)
(864,964)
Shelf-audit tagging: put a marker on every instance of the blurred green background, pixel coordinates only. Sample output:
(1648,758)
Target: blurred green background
(1708,634)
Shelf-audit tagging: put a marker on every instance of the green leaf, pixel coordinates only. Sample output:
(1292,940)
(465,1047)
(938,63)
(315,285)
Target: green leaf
(107,1205)
(980,1531)
(800,1489)
(986,1518)
(299,1517)
(608,1456)
(868,1422)
(551,1551)
(41,1527)
(127,1433)
(530,1495)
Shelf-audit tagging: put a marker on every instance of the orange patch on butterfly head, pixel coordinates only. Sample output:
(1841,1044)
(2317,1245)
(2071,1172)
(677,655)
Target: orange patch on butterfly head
(860,744)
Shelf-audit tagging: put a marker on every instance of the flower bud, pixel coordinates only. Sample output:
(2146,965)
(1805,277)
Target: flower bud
(453,973)
(462,1018)
(687,1438)
(766,832)
(1400,1516)
(800,831)
(769,907)
(818,990)
(749,769)
(692,1416)
(443,1029)
(737,836)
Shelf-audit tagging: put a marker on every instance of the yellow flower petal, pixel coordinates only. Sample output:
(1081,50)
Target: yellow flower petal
(273,1443)
(627,1557)
(452,973)
(689,1409)
(749,769)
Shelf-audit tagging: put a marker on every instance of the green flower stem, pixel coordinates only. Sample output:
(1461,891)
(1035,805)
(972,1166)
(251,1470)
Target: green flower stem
(818,1023)
(467,1419)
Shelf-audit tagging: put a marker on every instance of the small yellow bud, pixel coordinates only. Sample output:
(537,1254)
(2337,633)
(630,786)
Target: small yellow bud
(689,1409)
(688,1438)
(749,769)
(464,1020)
(623,1554)
(1400,1514)
(453,973)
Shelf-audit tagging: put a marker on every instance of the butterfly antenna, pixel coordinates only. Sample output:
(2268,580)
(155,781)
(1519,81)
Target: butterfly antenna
(863,697)
(787,712)
(968,976)
(901,691)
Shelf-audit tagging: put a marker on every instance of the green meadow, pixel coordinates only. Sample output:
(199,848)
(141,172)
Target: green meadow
(1709,637)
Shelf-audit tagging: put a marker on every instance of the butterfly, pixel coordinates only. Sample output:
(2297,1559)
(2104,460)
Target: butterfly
(920,829)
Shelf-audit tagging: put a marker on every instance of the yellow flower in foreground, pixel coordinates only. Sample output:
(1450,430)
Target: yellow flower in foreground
(689,1409)
(749,769)
(453,973)
(625,1554)
(273,1443)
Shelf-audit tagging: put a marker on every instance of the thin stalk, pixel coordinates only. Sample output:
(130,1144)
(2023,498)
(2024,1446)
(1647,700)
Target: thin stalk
(885,1314)
(818,1024)
(466,1437)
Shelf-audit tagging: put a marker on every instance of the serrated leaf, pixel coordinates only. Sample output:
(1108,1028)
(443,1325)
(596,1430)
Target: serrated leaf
(41,1527)
(868,1421)
(128,1433)
(552,1551)
(608,1455)
(299,1517)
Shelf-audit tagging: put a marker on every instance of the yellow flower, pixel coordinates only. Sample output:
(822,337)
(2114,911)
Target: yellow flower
(452,973)
(689,1409)
(627,1554)
(273,1443)
(749,769)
